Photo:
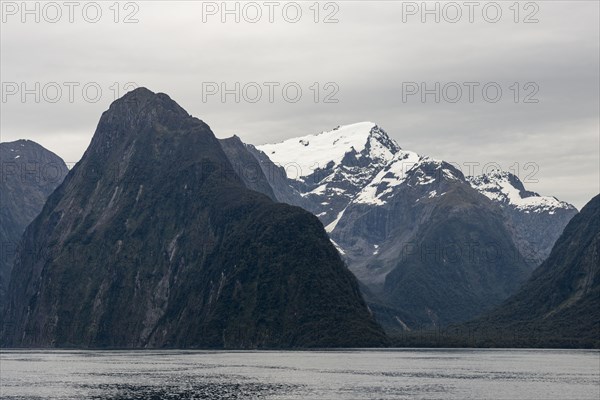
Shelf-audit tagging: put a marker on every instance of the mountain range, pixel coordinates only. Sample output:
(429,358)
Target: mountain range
(153,240)
(165,236)
(433,244)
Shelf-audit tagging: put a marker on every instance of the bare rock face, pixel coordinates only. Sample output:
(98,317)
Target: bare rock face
(29,174)
(151,241)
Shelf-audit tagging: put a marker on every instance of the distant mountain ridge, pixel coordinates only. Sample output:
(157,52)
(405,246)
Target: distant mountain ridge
(29,174)
(378,202)
(535,221)
(360,163)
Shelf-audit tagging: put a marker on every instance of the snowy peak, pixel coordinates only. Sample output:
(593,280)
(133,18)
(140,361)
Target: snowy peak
(407,168)
(331,168)
(360,163)
(380,145)
(345,144)
(507,189)
(429,170)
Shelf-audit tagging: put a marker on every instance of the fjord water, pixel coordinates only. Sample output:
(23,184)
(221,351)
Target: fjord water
(348,374)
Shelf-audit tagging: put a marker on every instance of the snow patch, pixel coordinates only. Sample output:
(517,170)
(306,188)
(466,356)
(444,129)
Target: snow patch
(320,189)
(329,228)
(337,246)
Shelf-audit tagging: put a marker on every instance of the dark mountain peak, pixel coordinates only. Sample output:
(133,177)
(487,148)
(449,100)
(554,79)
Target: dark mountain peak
(233,139)
(23,145)
(17,143)
(154,119)
(27,160)
(141,99)
(143,105)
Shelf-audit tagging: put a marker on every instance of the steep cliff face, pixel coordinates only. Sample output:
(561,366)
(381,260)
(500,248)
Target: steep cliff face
(561,300)
(246,166)
(29,174)
(283,188)
(151,241)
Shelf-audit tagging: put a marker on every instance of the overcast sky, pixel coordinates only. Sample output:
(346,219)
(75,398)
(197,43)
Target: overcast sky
(372,60)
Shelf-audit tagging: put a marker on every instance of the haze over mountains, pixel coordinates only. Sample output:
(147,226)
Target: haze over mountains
(164,236)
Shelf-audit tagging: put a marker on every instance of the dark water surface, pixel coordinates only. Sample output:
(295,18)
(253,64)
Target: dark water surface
(352,374)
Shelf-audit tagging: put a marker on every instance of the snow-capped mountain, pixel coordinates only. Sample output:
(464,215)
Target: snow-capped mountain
(535,221)
(331,168)
(360,164)
(414,230)
(330,149)
(508,190)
